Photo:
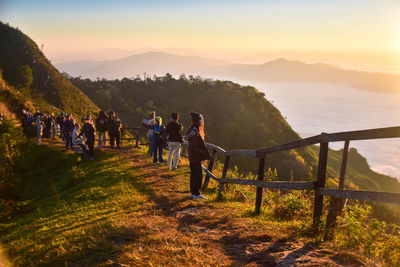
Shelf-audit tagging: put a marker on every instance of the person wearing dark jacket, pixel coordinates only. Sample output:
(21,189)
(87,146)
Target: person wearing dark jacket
(197,153)
(175,139)
(114,128)
(101,127)
(68,128)
(88,131)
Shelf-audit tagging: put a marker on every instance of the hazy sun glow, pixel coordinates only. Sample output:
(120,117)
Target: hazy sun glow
(365,31)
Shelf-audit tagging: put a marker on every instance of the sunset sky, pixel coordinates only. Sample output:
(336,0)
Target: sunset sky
(236,30)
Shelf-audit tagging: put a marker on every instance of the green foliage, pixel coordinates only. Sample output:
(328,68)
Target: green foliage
(357,230)
(11,141)
(25,67)
(292,205)
(26,80)
(236,116)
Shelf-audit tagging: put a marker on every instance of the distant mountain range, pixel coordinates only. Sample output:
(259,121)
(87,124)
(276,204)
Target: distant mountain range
(279,70)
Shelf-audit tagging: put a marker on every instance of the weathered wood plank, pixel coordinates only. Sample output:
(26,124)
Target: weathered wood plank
(389,132)
(292,145)
(260,178)
(241,152)
(215,147)
(224,172)
(361,195)
(207,172)
(272,185)
(209,168)
(335,204)
(321,178)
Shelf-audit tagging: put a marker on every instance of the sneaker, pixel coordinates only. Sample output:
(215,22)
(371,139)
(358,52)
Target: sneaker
(174,169)
(200,197)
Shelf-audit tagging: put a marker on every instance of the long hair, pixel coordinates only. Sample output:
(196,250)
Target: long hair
(198,123)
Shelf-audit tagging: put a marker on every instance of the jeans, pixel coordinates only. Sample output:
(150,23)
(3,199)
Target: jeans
(114,135)
(158,149)
(196,177)
(101,141)
(68,140)
(151,145)
(174,151)
(90,144)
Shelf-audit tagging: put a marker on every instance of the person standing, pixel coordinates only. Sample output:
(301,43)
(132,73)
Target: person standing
(197,153)
(114,128)
(175,139)
(39,128)
(101,127)
(159,136)
(68,127)
(150,132)
(88,131)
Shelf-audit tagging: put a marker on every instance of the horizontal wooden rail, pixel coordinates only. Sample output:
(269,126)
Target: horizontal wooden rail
(389,132)
(292,145)
(272,185)
(361,195)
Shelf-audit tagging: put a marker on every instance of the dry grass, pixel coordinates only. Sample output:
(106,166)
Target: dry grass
(149,220)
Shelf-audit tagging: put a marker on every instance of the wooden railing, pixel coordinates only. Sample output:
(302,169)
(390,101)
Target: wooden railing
(337,195)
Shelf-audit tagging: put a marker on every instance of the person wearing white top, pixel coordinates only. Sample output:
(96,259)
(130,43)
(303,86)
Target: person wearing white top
(78,141)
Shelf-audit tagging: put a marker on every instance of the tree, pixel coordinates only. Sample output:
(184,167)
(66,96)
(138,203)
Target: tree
(26,78)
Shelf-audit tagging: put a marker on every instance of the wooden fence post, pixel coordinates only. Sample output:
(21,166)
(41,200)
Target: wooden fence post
(210,168)
(224,172)
(335,206)
(260,177)
(321,178)
(121,137)
(137,139)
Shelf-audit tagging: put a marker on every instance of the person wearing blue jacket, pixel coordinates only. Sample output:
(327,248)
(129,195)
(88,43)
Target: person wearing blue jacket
(160,139)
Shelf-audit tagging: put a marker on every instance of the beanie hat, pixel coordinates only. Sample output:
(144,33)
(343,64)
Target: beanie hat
(195,116)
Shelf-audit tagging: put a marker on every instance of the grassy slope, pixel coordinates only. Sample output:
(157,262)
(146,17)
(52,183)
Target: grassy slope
(49,87)
(121,208)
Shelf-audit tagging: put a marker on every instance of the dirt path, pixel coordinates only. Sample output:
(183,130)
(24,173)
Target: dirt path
(175,230)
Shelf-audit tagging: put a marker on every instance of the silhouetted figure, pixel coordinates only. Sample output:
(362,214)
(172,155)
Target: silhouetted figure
(197,153)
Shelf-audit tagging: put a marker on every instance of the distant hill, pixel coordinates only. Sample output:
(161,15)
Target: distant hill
(152,63)
(283,70)
(279,70)
(25,68)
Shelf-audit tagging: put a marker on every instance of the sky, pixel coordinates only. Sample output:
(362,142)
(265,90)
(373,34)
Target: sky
(359,31)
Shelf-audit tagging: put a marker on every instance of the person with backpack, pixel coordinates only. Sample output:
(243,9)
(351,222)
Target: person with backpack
(88,130)
(114,128)
(197,153)
(175,139)
(150,132)
(101,127)
(160,140)
(68,127)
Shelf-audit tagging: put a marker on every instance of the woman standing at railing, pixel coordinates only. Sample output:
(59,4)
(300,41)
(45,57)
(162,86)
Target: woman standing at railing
(197,153)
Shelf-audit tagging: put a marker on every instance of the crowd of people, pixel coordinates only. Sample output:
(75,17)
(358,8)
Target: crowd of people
(82,139)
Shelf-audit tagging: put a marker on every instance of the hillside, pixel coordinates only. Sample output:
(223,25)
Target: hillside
(279,70)
(122,210)
(26,68)
(236,116)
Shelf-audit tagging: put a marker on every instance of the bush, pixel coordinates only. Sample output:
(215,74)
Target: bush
(292,205)
(357,230)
